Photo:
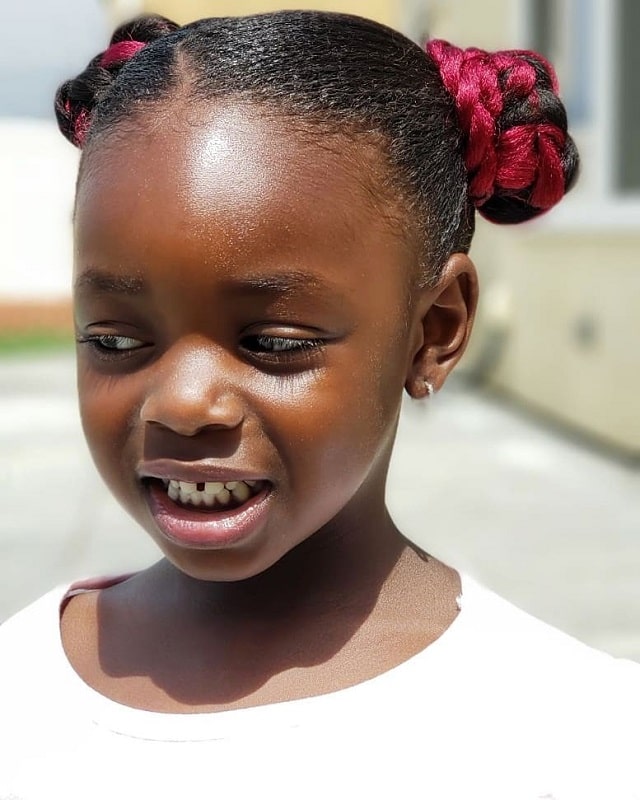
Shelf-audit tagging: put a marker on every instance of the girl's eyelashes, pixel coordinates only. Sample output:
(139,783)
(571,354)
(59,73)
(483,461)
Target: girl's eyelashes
(264,344)
(282,352)
(110,345)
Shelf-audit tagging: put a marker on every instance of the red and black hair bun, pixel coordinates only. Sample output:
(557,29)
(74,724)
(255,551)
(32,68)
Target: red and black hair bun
(76,99)
(520,159)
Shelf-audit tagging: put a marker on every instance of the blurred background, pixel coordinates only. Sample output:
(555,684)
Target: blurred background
(524,472)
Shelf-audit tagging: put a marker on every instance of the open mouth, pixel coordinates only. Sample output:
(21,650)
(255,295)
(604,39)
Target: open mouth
(204,506)
(211,495)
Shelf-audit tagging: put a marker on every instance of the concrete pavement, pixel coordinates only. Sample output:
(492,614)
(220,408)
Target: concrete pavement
(546,522)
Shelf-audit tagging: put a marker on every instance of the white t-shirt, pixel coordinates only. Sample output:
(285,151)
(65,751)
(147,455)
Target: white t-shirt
(501,707)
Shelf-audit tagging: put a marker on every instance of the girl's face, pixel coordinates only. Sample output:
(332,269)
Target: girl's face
(243,317)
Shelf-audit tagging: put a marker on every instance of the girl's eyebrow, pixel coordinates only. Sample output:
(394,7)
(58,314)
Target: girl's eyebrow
(98,280)
(283,283)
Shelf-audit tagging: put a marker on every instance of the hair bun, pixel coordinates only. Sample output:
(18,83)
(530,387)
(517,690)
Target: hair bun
(76,99)
(520,159)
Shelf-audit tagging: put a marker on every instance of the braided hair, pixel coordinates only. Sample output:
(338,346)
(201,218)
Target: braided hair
(458,130)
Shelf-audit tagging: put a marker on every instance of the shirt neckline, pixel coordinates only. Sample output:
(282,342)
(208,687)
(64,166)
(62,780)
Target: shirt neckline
(105,713)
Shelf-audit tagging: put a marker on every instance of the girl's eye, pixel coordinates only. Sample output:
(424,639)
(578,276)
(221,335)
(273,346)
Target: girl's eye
(111,342)
(279,345)
(111,345)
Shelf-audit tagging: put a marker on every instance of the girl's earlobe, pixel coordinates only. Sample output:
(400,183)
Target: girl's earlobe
(420,388)
(443,322)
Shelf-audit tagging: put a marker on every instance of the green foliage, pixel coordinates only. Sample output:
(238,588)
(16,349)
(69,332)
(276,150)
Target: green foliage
(34,342)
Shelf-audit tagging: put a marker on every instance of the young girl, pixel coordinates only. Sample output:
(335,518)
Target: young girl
(272,223)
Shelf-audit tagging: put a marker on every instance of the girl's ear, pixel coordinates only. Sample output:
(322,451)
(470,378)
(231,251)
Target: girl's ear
(442,324)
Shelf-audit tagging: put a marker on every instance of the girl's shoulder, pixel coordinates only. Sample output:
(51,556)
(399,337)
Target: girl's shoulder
(504,637)
(34,632)
(35,624)
(33,674)
(500,664)
(537,681)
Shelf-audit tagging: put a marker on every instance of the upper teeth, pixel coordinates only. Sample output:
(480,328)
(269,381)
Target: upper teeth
(212,493)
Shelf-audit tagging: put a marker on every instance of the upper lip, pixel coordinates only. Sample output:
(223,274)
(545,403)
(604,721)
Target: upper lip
(196,471)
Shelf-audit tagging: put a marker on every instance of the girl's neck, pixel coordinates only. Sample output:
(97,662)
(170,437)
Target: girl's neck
(330,567)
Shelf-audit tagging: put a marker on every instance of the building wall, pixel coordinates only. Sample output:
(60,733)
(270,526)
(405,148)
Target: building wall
(186,10)
(38,169)
(468,23)
(558,326)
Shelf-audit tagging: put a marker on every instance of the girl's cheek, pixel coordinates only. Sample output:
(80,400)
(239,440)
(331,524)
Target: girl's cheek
(108,409)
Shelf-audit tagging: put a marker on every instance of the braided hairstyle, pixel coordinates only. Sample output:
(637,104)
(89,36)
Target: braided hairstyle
(457,129)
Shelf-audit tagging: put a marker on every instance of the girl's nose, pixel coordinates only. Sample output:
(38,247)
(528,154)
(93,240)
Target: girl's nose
(190,390)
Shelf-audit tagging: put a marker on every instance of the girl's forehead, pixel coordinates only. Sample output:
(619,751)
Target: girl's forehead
(228,186)
(198,157)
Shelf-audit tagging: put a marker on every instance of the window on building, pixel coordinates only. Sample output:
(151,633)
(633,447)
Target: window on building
(628,96)
(594,45)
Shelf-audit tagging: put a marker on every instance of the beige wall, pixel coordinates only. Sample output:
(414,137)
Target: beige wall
(487,24)
(559,314)
(186,10)
(558,326)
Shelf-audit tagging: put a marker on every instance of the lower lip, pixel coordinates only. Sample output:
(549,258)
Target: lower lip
(207,529)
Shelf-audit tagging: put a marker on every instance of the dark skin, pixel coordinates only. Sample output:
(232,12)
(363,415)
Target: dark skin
(245,304)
